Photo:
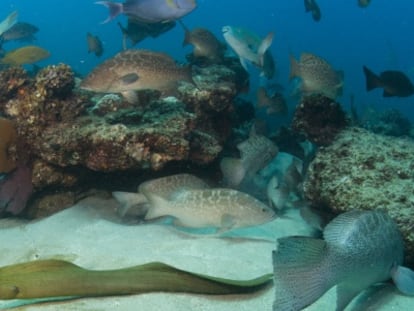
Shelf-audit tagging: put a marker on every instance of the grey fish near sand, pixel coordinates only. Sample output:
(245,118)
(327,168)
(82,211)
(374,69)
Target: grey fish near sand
(134,70)
(360,249)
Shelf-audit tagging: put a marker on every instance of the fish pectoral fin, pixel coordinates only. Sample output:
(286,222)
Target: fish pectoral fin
(404,280)
(130,96)
(227,222)
(129,78)
(244,63)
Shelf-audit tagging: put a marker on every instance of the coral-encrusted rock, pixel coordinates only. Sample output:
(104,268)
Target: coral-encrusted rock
(319,118)
(55,81)
(160,136)
(11,80)
(362,170)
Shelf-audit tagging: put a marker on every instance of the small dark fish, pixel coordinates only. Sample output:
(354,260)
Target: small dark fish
(363,3)
(205,44)
(150,11)
(393,82)
(313,7)
(20,32)
(274,104)
(94,44)
(137,31)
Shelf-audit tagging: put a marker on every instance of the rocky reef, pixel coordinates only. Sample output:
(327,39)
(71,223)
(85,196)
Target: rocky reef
(319,119)
(363,170)
(68,136)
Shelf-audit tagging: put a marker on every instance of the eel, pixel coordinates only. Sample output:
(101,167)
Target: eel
(59,278)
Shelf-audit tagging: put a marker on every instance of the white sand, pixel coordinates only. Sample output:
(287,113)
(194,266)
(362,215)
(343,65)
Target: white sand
(83,235)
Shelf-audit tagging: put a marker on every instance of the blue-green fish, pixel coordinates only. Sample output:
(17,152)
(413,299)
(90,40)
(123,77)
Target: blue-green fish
(251,48)
(150,11)
(359,249)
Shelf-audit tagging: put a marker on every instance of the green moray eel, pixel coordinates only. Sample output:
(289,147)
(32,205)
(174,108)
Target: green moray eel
(58,278)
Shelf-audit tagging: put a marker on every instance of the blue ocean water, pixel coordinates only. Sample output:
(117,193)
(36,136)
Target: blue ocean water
(347,36)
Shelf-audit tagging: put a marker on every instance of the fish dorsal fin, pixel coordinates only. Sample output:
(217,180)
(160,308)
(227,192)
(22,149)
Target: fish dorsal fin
(403,279)
(336,231)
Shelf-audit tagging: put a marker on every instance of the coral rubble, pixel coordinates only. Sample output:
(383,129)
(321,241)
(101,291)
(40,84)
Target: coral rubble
(363,170)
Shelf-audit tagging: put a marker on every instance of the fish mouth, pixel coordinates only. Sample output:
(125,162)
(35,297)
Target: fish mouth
(225,29)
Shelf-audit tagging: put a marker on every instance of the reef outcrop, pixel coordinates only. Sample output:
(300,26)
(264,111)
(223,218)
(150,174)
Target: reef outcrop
(363,170)
(68,135)
(319,119)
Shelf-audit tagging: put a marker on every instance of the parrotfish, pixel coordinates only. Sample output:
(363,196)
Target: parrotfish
(8,22)
(251,48)
(359,249)
(150,11)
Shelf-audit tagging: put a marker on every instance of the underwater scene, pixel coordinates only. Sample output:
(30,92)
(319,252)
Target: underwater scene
(207,155)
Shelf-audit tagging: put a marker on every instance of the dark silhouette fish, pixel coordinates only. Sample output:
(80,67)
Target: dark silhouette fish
(20,32)
(94,44)
(313,7)
(204,42)
(359,249)
(150,11)
(394,83)
(137,31)
(363,3)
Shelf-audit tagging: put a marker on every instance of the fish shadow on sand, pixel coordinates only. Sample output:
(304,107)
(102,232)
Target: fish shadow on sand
(375,297)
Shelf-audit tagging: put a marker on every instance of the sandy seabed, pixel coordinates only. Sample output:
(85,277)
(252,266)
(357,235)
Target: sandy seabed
(89,235)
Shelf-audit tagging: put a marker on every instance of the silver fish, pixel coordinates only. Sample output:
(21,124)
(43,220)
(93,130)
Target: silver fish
(251,48)
(150,11)
(8,22)
(219,207)
(360,248)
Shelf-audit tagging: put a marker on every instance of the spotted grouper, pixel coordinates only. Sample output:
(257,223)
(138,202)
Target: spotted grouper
(360,248)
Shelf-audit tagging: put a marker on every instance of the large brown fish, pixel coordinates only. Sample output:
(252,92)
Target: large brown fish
(133,70)
(394,83)
(317,75)
(205,44)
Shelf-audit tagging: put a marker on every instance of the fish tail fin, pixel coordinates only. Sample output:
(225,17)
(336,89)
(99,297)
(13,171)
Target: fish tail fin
(294,68)
(404,279)
(301,274)
(186,33)
(264,46)
(372,80)
(115,8)
(158,206)
(233,171)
